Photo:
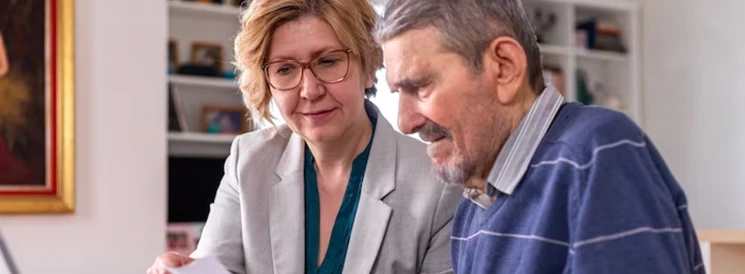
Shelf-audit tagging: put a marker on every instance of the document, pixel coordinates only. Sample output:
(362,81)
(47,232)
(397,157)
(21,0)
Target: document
(207,265)
(6,262)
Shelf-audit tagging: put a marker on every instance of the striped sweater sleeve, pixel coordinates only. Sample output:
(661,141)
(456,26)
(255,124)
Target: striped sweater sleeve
(627,214)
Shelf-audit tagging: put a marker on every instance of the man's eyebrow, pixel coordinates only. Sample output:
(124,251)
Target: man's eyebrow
(413,82)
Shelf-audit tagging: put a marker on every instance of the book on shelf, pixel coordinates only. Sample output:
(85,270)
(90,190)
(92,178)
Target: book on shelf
(600,35)
(176,117)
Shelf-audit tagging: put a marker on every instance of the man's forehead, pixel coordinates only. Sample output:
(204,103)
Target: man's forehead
(407,58)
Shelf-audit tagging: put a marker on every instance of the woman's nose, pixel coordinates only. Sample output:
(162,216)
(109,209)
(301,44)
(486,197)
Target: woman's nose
(312,88)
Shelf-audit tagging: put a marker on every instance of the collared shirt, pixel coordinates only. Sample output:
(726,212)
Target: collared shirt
(513,159)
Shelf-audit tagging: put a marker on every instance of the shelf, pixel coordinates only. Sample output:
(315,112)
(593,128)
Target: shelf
(595,4)
(203,81)
(601,55)
(194,144)
(205,9)
(200,137)
(555,50)
(583,53)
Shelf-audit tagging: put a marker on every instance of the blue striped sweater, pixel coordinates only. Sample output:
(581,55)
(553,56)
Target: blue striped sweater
(596,197)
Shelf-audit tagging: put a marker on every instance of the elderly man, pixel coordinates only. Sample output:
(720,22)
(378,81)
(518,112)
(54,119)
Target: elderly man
(550,187)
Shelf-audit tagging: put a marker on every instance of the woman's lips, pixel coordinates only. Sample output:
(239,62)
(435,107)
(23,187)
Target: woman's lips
(319,116)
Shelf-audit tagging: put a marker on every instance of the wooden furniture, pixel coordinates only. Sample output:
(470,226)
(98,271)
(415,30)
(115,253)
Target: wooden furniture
(723,251)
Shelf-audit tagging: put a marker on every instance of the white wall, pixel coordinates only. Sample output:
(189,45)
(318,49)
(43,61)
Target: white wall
(694,85)
(121,152)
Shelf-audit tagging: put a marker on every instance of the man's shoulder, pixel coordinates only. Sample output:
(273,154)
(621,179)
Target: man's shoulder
(585,128)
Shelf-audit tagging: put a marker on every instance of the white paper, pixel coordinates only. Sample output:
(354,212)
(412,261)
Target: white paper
(208,265)
(6,262)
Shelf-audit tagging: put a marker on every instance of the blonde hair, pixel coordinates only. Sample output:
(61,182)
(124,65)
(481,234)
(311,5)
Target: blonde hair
(353,21)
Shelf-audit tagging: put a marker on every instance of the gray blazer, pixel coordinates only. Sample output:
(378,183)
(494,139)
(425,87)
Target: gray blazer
(256,223)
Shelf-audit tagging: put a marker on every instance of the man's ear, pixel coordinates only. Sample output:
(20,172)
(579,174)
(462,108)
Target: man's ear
(507,65)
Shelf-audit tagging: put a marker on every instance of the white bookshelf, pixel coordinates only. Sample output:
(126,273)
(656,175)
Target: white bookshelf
(217,11)
(190,23)
(609,71)
(194,144)
(555,49)
(195,137)
(600,55)
(204,82)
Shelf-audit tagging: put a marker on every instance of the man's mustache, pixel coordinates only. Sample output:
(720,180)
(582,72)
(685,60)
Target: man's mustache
(431,131)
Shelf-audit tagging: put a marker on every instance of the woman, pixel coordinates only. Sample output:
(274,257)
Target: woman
(336,190)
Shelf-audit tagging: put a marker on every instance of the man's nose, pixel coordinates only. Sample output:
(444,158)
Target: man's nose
(312,88)
(409,119)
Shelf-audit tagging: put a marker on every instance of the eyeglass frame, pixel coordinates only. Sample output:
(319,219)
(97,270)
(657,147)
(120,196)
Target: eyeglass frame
(307,65)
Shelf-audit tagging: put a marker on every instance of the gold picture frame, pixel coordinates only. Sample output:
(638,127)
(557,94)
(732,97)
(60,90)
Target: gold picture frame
(51,95)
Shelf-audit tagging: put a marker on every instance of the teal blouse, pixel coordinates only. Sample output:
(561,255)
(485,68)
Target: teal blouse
(336,253)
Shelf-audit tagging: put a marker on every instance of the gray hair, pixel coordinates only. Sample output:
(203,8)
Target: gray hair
(467,27)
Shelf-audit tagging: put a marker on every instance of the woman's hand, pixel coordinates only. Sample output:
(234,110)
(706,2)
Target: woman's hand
(168,259)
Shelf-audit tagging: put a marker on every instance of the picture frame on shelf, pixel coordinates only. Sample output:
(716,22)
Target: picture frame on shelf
(208,55)
(181,238)
(37,112)
(225,119)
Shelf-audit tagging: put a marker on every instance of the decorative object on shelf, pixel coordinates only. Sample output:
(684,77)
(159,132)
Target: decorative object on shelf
(584,95)
(37,107)
(599,35)
(605,97)
(555,77)
(207,54)
(198,70)
(543,22)
(225,119)
(173,62)
(229,75)
(611,100)
(176,117)
(206,60)
(594,92)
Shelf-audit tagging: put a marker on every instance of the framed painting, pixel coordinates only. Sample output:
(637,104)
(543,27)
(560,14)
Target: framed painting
(36,107)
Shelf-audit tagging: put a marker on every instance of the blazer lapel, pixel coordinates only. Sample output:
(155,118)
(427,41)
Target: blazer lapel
(371,221)
(287,211)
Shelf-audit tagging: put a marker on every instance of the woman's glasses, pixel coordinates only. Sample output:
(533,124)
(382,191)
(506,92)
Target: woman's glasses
(331,67)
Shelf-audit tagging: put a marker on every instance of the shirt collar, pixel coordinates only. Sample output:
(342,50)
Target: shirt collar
(514,157)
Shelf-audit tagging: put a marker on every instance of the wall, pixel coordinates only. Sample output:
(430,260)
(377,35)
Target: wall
(121,152)
(694,64)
